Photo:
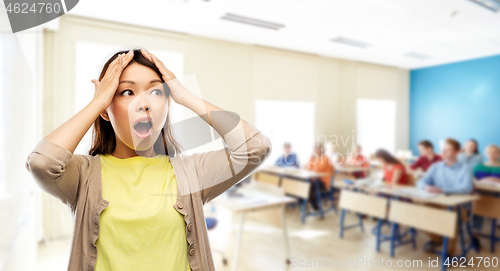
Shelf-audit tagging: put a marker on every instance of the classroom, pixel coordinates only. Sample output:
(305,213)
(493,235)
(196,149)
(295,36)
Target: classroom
(359,135)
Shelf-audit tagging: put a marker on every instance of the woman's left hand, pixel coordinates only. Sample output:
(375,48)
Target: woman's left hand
(178,94)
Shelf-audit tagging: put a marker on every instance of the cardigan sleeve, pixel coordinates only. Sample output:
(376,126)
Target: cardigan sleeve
(217,171)
(56,170)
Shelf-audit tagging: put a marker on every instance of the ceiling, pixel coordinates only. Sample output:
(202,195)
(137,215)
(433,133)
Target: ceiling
(441,31)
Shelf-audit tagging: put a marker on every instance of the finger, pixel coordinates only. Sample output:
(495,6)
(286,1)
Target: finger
(146,54)
(96,83)
(160,65)
(112,68)
(128,57)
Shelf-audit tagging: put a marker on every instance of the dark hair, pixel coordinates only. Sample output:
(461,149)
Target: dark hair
(476,150)
(426,143)
(453,142)
(387,157)
(103,135)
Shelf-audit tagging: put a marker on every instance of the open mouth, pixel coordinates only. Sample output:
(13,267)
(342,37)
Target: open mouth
(143,127)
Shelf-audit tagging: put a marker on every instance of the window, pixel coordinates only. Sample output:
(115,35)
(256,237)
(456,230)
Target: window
(89,66)
(376,121)
(287,121)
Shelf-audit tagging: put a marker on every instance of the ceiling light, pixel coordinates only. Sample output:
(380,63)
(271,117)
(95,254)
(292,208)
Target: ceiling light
(251,21)
(417,56)
(493,5)
(351,42)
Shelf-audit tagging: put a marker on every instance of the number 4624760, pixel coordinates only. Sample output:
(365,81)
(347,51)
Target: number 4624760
(40,7)
(473,261)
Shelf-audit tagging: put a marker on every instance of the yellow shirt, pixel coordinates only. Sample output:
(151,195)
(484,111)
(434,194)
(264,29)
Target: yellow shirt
(140,229)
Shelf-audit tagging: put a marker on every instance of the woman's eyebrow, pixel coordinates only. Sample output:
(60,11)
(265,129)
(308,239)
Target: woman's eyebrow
(132,82)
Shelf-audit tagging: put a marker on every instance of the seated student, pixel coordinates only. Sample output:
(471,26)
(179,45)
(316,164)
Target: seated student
(335,156)
(488,171)
(427,156)
(448,176)
(470,154)
(357,159)
(288,159)
(394,170)
(319,162)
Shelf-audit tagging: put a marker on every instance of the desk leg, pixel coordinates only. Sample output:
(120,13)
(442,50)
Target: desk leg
(461,230)
(493,238)
(285,236)
(319,199)
(238,242)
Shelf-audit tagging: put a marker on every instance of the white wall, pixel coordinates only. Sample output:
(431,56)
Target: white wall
(21,104)
(235,75)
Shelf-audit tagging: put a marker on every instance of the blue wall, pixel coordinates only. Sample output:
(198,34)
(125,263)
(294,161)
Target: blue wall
(459,100)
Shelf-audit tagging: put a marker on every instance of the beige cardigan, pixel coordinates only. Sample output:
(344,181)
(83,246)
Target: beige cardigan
(76,180)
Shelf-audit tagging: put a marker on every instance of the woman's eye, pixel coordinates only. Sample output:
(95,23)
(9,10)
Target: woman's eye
(127,92)
(157,92)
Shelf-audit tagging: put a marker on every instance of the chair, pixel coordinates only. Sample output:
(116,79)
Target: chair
(410,179)
(488,206)
(212,223)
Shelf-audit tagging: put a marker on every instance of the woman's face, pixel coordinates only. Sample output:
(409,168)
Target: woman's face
(139,108)
(470,146)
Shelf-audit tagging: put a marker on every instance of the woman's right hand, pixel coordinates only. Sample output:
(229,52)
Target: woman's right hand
(106,88)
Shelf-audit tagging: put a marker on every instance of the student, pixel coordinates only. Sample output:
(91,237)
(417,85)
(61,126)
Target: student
(357,159)
(488,171)
(449,176)
(335,156)
(137,202)
(319,162)
(470,154)
(288,159)
(394,170)
(427,156)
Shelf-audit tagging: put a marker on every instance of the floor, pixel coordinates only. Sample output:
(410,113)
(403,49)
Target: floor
(317,240)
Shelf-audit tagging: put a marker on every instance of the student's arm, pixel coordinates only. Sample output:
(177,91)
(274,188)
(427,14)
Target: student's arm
(416,164)
(52,163)
(463,185)
(309,165)
(427,179)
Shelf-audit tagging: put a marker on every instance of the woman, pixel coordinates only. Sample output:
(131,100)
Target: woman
(319,162)
(134,166)
(394,170)
(470,154)
(486,172)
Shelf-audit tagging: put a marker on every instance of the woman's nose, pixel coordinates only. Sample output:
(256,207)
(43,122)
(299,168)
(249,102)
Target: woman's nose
(143,104)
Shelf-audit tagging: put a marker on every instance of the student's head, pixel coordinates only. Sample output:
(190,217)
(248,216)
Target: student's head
(450,149)
(138,115)
(386,157)
(471,147)
(319,150)
(425,148)
(492,153)
(287,148)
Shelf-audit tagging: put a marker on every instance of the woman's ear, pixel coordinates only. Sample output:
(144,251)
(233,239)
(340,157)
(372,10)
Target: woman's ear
(105,115)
